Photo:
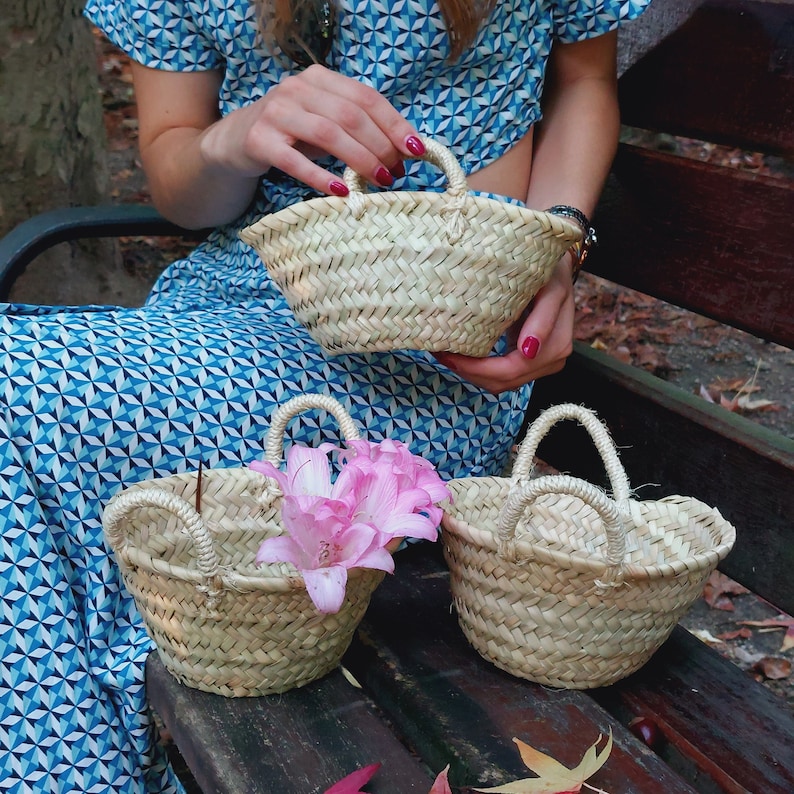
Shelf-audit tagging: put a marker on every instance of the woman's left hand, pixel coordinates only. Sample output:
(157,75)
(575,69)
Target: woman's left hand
(540,341)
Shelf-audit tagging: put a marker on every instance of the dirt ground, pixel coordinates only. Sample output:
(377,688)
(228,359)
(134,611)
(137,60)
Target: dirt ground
(742,373)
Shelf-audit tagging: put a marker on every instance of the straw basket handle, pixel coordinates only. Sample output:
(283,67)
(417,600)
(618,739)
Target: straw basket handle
(206,559)
(274,443)
(522,495)
(524,463)
(455,194)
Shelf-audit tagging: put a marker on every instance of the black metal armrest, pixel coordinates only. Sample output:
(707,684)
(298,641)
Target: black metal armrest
(24,243)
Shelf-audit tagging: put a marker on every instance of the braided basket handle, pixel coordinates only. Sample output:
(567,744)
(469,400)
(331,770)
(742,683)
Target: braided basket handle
(455,194)
(274,443)
(522,495)
(524,463)
(121,505)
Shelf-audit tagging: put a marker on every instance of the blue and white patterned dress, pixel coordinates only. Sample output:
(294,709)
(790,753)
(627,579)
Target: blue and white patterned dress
(95,400)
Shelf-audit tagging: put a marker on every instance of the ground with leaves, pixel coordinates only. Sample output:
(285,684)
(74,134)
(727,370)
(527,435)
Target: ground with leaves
(730,368)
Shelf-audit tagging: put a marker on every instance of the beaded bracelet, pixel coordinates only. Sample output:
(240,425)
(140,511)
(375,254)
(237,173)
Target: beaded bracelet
(581,248)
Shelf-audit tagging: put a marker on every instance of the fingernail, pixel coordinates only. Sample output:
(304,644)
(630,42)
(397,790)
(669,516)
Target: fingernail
(414,145)
(383,177)
(530,346)
(398,171)
(338,188)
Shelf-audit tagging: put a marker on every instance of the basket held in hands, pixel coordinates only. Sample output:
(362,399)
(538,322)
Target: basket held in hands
(558,582)
(220,623)
(417,270)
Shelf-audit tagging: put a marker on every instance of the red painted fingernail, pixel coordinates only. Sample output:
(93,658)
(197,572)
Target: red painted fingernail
(383,177)
(338,188)
(414,145)
(530,346)
(398,171)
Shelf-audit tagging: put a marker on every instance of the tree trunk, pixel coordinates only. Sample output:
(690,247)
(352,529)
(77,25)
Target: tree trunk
(52,147)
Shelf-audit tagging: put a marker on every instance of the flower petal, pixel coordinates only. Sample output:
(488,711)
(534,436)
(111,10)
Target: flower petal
(378,558)
(353,542)
(308,471)
(269,470)
(326,587)
(411,525)
(281,549)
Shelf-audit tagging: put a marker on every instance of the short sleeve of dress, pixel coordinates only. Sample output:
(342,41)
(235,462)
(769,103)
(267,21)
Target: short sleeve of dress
(583,19)
(162,34)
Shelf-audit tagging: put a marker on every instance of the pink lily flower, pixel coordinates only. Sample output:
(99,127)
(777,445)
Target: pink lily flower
(373,497)
(323,544)
(382,493)
(418,485)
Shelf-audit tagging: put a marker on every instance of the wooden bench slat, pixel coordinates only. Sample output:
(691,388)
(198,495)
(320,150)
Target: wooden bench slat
(454,708)
(712,239)
(301,742)
(726,75)
(745,733)
(744,469)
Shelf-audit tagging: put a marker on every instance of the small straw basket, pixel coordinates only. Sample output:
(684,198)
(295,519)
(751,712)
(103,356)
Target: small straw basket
(418,270)
(220,623)
(555,581)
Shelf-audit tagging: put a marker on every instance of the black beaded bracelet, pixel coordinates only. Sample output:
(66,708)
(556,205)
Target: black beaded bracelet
(581,248)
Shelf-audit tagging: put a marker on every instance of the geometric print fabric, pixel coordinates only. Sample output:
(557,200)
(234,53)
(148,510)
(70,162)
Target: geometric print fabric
(92,400)
(77,426)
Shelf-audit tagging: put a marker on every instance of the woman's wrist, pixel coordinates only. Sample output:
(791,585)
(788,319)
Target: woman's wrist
(580,249)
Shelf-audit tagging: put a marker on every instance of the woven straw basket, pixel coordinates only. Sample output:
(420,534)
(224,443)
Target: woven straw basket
(555,581)
(417,270)
(220,623)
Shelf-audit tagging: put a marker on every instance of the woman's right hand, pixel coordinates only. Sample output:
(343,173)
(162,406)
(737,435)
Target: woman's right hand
(203,170)
(306,116)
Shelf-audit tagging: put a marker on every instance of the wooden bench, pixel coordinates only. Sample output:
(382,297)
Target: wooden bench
(711,239)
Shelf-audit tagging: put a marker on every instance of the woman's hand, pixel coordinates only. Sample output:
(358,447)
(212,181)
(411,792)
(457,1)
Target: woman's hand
(203,170)
(540,341)
(310,114)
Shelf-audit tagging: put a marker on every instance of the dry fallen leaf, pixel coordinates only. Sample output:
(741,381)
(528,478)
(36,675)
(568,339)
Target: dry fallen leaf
(773,667)
(746,404)
(741,401)
(352,783)
(441,784)
(744,634)
(704,635)
(718,589)
(780,622)
(554,777)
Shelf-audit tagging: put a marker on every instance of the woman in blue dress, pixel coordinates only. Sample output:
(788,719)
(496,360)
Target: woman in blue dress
(233,125)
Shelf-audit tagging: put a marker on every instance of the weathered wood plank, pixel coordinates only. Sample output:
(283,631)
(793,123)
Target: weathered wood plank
(713,716)
(300,742)
(726,75)
(712,239)
(673,442)
(452,707)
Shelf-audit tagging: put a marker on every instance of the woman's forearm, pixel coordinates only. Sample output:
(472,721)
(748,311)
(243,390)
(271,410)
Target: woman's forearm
(187,188)
(203,170)
(576,141)
(178,116)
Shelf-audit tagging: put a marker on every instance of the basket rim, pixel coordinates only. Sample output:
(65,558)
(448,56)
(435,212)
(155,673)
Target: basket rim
(272,577)
(284,578)
(527,550)
(326,206)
